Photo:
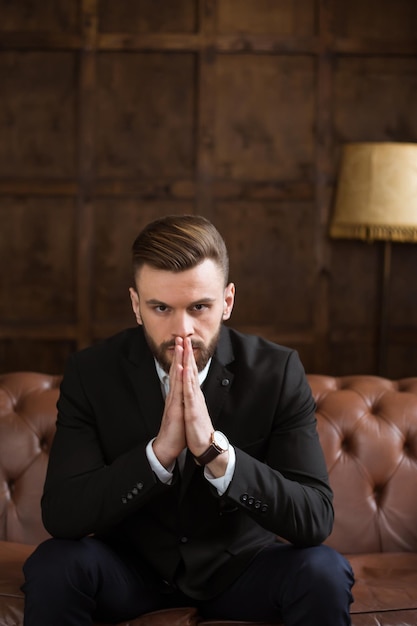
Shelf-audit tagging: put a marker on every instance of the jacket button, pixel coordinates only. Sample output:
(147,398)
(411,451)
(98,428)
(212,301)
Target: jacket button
(264,508)
(130,496)
(251,500)
(135,491)
(244,497)
(184,539)
(139,486)
(257,504)
(225,382)
(124,500)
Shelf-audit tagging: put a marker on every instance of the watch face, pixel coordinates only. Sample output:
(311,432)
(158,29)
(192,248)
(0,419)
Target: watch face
(220,440)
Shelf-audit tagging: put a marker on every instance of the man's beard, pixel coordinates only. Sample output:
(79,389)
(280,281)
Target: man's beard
(202,357)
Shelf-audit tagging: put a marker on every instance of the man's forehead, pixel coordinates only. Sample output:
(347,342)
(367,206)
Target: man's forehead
(205,273)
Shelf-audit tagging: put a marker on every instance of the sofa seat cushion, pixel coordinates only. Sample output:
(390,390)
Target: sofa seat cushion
(384,582)
(12,556)
(388,618)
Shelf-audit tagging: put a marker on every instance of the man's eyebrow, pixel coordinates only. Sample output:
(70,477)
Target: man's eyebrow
(204,300)
(153,302)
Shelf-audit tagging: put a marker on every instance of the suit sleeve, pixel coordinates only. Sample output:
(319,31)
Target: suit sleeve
(84,493)
(284,485)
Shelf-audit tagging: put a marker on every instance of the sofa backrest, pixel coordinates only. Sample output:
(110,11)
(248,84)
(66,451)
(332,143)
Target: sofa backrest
(367,427)
(368,431)
(27,427)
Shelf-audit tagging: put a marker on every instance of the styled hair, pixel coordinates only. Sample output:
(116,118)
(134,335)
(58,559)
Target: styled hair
(179,242)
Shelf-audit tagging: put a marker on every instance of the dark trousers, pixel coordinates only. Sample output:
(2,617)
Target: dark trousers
(70,583)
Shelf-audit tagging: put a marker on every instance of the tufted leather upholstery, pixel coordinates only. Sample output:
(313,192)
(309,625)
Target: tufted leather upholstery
(368,429)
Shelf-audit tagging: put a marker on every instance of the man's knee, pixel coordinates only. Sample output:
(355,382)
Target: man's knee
(54,559)
(327,571)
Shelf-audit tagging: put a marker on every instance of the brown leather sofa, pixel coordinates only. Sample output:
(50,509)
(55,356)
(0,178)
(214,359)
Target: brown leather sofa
(368,429)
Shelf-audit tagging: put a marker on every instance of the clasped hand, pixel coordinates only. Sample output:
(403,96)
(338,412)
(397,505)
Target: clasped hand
(186,421)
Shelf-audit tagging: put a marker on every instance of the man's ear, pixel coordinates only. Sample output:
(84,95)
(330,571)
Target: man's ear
(229,299)
(134,298)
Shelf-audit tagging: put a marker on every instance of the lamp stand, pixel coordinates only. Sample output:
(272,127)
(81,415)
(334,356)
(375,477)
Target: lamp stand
(384,310)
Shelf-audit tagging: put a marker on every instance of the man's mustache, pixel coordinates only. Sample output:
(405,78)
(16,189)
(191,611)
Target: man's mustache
(166,345)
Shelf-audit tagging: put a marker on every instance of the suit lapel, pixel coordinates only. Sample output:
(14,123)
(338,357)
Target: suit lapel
(216,389)
(140,369)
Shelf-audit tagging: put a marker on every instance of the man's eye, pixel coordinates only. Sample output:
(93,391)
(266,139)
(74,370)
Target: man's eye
(200,307)
(161,308)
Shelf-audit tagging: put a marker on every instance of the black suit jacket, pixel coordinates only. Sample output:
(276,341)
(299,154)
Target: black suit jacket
(99,480)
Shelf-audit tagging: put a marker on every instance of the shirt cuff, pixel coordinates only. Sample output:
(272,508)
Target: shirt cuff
(222,483)
(164,475)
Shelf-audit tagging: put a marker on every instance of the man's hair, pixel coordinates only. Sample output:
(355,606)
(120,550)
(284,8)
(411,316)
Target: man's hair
(179,242)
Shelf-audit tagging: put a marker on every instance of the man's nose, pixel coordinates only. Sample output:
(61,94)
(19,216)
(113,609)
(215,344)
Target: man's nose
(183,325)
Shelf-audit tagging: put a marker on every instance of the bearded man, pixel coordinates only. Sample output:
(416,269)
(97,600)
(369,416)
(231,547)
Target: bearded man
(186,469)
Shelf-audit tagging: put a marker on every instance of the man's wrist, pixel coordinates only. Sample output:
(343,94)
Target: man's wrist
(165,460)
(222,481)
(164,474)
(219,445)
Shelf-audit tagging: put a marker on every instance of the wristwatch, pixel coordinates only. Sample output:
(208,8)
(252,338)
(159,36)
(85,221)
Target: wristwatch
(219,444)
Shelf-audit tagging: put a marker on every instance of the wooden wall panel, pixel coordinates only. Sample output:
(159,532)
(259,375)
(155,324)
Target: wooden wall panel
(28,354)
(386,86)
(145,115)
(37,260)
(49,15)
(375,19)
(147,16)
(277,239)
(37,109)
(400,359)
(281,17)
(354,285)
(403,294)
(264,118)
(114,113)
(353,354)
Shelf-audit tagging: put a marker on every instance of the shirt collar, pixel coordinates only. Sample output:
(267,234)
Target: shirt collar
(164,378)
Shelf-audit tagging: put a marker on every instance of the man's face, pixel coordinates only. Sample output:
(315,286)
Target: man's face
(190,304)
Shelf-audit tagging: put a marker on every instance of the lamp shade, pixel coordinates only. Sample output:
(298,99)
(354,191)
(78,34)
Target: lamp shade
(376,194)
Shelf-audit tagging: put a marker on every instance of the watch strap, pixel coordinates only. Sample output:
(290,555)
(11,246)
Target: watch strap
(207,456)
(210,454)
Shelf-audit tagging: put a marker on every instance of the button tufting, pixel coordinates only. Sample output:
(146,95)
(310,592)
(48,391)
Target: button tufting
(345,444)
